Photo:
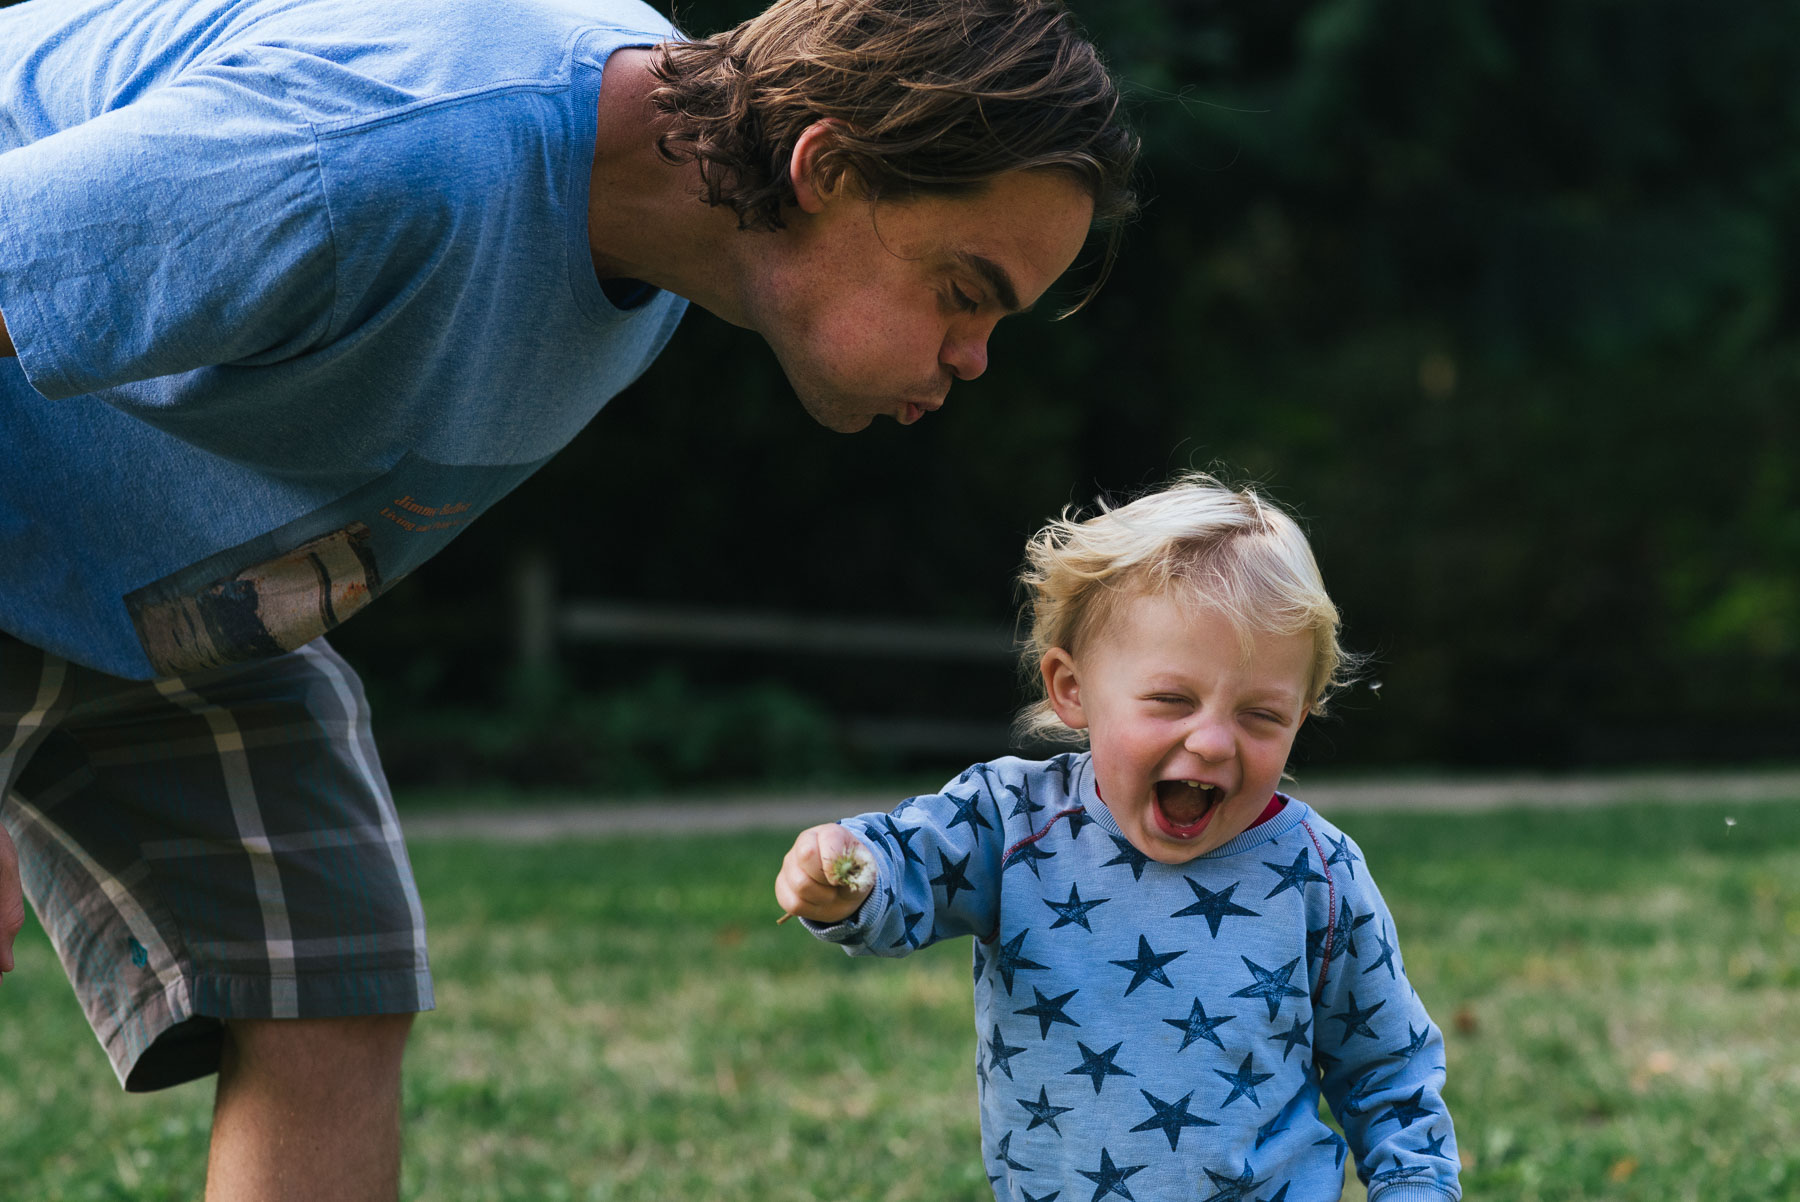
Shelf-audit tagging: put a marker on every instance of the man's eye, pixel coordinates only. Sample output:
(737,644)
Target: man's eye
(964,301)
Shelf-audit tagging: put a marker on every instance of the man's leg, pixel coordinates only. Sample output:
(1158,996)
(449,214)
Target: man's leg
(308,1109)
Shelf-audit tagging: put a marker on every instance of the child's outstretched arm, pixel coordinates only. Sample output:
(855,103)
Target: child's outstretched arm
(934,869)
(825,875)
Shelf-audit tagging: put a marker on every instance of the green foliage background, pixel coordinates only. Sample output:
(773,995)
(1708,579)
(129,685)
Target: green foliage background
(1499,296)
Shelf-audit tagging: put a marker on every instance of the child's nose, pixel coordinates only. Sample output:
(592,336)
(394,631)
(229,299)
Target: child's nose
(1210,739)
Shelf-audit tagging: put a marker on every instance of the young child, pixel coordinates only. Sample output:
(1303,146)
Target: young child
(1172,960)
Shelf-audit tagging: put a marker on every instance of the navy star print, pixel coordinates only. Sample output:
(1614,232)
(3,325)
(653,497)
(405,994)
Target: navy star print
(909,920)
(1356,1022)
(1214,907)
(1342,934)
(1197,1026)
(1271,984)
(1000,1053)
(1042,1112)
(1266,1005)
(1074,910)
(1293,1037)
(1027,854)
(1049,1010)
(1294,876)
(1130,856)
(1357,1096)
(1341,853)
(1385,959)
(968,809)
(1148,966)
(1416,1041)
(903,837)
(952,876)
(1348,922)
(1006,1155)
(1170,1117)
(1010,960)
(1399,1174)
(1408,1112)
(1098,1065)
(1243,1083)
(1110,1179)
(1233,1189)
(1023,806)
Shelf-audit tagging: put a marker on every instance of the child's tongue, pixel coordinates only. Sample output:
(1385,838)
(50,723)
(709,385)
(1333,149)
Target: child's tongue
(1181,805)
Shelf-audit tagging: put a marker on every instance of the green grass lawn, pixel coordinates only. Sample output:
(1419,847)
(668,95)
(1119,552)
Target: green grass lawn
(1619,988)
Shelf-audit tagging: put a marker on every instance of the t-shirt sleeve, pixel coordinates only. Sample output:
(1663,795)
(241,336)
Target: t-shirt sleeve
(185,229)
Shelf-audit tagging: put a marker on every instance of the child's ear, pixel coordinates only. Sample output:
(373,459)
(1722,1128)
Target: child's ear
(1063,688)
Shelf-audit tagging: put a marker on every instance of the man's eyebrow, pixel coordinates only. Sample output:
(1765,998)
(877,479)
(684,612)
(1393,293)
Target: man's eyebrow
(997,279)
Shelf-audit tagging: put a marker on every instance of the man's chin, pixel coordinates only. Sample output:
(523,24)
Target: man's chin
(841,417)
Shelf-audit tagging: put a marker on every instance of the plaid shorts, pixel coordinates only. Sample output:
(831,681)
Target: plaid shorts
(209,847)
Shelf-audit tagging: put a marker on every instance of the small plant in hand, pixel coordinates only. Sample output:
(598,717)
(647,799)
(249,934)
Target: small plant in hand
(849,868)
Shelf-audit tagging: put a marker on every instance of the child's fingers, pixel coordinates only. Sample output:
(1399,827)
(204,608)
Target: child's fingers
(803,885)
(801,881)
(846,861)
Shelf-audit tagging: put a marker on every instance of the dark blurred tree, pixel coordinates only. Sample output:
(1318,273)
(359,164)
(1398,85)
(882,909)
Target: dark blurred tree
(1500,296)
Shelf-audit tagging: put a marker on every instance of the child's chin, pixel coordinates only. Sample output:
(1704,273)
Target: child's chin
(1154,842)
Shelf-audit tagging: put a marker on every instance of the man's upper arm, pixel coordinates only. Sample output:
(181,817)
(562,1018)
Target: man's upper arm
(6,346)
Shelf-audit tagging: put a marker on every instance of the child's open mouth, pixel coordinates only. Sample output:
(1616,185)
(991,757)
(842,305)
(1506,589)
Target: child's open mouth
(1184,807)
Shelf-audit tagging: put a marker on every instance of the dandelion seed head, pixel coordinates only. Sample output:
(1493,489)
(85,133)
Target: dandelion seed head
(853,868)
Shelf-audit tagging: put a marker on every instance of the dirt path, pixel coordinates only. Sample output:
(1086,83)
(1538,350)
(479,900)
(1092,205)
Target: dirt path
(575,821)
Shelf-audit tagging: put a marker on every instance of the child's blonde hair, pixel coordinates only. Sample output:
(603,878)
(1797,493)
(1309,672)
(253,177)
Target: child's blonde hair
(1228,549)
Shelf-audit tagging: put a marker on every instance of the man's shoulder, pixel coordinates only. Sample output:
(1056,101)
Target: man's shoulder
(351,63)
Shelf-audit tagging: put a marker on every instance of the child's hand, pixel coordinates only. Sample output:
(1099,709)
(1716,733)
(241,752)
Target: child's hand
(825,875)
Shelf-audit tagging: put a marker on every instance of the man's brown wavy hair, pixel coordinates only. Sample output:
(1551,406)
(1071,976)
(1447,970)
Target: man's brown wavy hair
(927,96)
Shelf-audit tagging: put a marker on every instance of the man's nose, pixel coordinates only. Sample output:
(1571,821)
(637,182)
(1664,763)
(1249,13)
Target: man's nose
(964,355)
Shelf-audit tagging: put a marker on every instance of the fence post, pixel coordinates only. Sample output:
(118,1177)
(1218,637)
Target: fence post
(534,609)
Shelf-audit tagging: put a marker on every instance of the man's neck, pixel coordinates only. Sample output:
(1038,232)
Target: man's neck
(646,218)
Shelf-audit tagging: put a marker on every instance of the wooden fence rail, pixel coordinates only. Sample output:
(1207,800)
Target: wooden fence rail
(546,621)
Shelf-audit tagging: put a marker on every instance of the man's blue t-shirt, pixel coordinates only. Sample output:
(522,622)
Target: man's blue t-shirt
(298,289)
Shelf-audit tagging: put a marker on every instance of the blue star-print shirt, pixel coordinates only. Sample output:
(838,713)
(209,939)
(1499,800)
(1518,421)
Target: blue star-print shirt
(1151,1031)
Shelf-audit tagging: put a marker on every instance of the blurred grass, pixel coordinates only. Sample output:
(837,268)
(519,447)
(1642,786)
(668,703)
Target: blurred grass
(1619,987)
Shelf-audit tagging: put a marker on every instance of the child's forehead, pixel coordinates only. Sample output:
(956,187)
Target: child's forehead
(1204,623)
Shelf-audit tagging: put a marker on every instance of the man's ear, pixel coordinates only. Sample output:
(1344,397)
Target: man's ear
(815,185)
(1063,688)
